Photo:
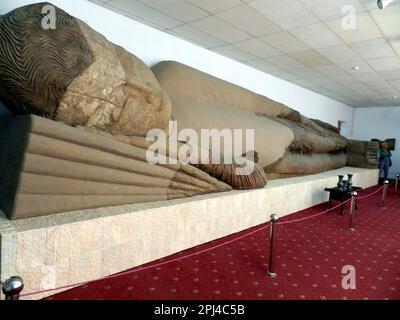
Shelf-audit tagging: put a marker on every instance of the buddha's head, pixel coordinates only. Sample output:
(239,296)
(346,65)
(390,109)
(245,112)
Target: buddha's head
(71,73)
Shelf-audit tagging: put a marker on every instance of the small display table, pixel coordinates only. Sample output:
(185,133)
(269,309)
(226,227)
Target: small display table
(340,195)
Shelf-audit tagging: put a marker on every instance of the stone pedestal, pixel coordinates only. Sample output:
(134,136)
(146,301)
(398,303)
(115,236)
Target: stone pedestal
(68,248)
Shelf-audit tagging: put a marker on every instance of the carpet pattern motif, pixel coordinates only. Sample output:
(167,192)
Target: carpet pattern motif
(310,258)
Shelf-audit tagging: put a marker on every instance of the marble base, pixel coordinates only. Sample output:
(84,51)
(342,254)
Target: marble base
(73,247)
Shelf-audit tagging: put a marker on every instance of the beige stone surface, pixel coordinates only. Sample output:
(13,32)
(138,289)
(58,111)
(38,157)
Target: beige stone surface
(281,134)
(64,169)
(85,245)
(294,163)
(271,138)
(118,93)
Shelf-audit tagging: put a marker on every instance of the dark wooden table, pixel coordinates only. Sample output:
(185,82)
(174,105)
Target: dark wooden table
(340,195)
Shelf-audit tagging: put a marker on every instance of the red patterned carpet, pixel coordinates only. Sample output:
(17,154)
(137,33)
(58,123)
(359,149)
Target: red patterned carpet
(311,255)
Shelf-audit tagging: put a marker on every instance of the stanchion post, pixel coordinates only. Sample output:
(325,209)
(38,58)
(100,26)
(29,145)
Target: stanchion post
(384,196)
(396,188)
(353,210)
(272,246)
(12,288)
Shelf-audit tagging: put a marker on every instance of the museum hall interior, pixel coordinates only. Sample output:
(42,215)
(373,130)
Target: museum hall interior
(199,150)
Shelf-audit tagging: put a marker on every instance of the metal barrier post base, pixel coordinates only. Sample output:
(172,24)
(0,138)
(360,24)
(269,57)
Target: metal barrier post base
(353,208)
(12,288)
(384,196)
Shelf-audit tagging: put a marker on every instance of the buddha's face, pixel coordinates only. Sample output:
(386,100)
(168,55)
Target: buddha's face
(118,93)
(139,103)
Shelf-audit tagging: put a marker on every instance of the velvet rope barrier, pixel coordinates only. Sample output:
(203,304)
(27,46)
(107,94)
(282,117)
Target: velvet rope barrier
(331,209)
(196,253)
(148,267)
(313,216)
(371,194)
(273,238)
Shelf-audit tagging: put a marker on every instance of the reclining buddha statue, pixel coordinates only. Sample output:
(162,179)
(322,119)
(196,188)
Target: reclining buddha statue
(82,109)
(287,143)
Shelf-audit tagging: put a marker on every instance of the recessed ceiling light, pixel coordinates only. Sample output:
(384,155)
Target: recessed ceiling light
(356,68)
(395,97)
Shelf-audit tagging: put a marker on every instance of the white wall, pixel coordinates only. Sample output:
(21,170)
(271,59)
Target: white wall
(152,46)
(380,123)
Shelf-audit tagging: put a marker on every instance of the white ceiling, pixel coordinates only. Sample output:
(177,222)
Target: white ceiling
(301,41)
